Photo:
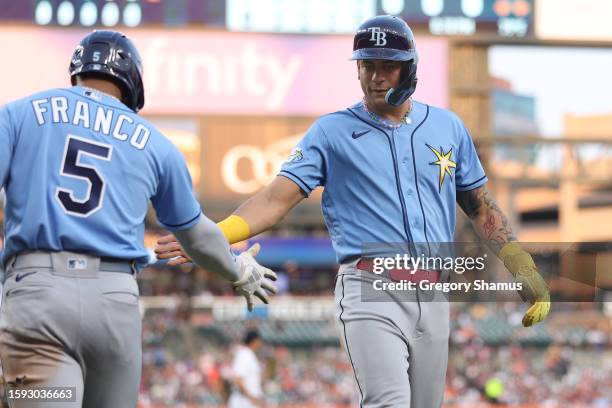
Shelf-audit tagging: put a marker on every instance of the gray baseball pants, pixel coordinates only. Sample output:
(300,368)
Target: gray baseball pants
(71,320)
(397,343)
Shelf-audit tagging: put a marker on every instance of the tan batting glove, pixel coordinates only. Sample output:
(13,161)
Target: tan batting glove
(535,290)
(255,279)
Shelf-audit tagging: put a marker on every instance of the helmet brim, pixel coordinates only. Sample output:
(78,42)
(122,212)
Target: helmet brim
(384,54)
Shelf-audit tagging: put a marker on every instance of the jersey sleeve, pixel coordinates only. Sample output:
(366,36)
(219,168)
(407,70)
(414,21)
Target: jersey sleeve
(6,145)
(307,162)
(176,206)
(470,174)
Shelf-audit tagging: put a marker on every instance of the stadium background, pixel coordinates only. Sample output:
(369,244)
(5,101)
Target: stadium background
(235,83)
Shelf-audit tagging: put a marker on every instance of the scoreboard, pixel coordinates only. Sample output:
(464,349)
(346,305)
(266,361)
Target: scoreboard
(439,17)
(506,18)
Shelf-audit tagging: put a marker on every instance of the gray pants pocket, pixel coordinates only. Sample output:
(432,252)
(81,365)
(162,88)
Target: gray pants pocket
(121,296)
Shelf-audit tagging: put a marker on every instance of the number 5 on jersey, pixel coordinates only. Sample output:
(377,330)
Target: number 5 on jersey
(72,167)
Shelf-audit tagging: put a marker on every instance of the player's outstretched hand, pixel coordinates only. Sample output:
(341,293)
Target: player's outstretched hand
(167,247)
(255,279)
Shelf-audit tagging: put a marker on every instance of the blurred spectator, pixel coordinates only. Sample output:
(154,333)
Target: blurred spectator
(247,391)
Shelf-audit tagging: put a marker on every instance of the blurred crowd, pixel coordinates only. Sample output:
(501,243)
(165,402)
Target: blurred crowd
(171,376)
(563,374)
(160,280)
(512,375)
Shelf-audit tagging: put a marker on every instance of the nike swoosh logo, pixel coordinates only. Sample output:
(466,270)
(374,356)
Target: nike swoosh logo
(19,277)
(359,134)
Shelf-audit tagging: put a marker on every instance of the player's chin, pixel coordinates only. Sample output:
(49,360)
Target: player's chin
(377,101)
(377,96)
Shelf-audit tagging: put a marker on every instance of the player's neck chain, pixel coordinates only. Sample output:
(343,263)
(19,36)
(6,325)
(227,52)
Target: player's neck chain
(391,124)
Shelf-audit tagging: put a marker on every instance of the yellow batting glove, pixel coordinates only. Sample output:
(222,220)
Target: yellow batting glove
(535,290)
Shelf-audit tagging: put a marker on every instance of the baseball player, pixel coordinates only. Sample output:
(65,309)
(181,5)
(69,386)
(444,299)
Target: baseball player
(247,391)
(79,167)
(393,169)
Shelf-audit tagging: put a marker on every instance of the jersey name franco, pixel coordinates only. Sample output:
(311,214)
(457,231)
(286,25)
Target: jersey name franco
(386,186)
(103,119)
(80,168)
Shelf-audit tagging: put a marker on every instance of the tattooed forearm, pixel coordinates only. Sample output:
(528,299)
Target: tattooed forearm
(489,220)
(489,226)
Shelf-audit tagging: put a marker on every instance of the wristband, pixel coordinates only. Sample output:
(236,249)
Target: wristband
(235,228)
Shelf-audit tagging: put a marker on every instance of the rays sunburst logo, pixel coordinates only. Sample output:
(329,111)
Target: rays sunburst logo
(444,162)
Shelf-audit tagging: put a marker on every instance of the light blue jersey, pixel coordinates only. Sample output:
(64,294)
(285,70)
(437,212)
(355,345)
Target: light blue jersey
(386,185)
(79,169)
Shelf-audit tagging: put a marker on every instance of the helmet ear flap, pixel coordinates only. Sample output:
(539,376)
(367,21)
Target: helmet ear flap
(408,81)
(408,75)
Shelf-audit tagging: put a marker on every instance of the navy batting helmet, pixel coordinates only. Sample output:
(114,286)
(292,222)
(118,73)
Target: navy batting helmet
(111,55)
(389,38)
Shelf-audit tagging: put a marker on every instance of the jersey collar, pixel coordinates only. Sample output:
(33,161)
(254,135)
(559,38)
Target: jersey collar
(416,115)
(99,96)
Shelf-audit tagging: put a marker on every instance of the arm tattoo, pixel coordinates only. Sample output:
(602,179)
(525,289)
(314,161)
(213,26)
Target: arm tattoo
(489,220)
(489,226)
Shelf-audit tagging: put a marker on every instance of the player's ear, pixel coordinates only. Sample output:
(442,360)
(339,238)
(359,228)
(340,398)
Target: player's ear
(358,77)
